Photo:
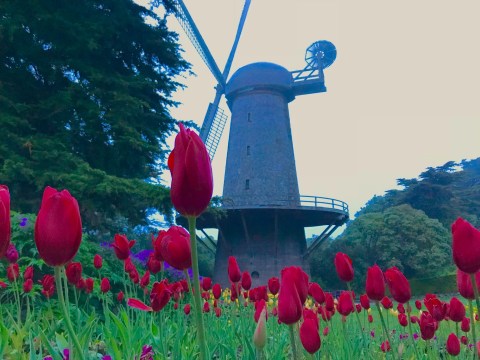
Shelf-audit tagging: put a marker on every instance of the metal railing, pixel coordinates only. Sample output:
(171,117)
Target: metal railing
(309,201)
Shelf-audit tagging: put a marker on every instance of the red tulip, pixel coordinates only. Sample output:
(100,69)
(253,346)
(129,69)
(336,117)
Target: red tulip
(329,304)
(402,319)
(309,335)
(128,265)
(58,229)
(97,261)
(464,284)
(28,273)
(401,309)
(293,293)
(435,307)
(80,285)
(48,285)
(260,334)
(217,291)
(375,283)
(206,283)
(234,273)
(11,254)
(73,272)
(273,285)
(175,248)
(364,301)
(345,304)
(387,303)
(145,280)
(457,310)
(466,246)
(465,325)
(122,246)
(206,307)
(246,280)
(385,346)
(398,285)
(192,179)
(120,296)
(105,285)
(464,340)
(259,306)
(186,309)
(88,285)
(418,304)
(370,318)
(344,267)
(160,295)
(453,345)
(5,226)
(218,312)
(13,272)
(427,326)
(27,285)
(326,330)
(153,265)
(315,291)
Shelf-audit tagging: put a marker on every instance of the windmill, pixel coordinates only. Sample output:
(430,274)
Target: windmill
(264,215)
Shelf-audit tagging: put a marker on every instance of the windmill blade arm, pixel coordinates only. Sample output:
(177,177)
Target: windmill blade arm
(188,25)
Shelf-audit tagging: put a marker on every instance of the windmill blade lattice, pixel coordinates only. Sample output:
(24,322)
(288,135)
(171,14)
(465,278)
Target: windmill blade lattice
(215,130)
(321,53)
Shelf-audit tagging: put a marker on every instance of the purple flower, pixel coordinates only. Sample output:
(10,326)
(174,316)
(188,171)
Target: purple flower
(142,256)
(23,222)
(415,336)
(147,353)
(66,354)
(107,357)
(372,333)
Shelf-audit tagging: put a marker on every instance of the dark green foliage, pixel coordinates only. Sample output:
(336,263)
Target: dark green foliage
(443,193)
(85,91)
(400,236)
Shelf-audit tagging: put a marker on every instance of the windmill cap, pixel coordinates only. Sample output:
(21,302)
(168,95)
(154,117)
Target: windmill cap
(260,76)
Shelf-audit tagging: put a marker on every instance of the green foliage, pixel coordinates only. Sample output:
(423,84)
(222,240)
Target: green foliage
(444,284)
(85,92)
(400,236)
(443,193)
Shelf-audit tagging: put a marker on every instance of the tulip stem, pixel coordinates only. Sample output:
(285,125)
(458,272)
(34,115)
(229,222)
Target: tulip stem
(292,341)
(196,284)
(356,314)
(472,323)
(385,329)
(63,308)
(409,312)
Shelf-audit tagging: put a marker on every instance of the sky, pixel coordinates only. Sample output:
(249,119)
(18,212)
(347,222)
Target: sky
(402,95)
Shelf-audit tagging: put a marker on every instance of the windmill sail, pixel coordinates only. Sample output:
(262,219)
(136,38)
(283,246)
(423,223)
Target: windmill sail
(212,128)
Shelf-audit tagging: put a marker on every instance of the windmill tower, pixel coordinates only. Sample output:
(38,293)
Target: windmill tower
(264,215)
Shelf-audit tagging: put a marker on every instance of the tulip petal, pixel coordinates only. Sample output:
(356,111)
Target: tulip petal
(137,304)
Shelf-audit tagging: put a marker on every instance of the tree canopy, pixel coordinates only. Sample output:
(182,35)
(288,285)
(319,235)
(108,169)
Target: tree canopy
(85,92)
(400,236)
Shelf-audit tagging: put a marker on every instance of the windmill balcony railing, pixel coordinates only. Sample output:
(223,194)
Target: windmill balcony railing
(304,201)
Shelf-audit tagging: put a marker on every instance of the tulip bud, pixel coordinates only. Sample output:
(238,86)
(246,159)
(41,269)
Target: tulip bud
(329,303)
(217,291)
(345,304)
(145,280)
(273,285)
(11,254)
(315,291)
(293,293)
(246,280)
(418,304)
(153,265)
(466,246)
(97,261)
(120,296)
(344,267)
(364,301)
(27,285)
(191,170)
(73,272)
(385,347)
(370,318)
(186,309)
(387,303)
(105,285)
(13,272)
(206,307)
(206,283)
(309,335)
(457,310)
(375,283)
(402,320)
(398,285)
(58,229)
(5,225)
(453,345)
(88,285)
(260,335)
(234,273)
(28,273)
(465,325)
(464,340)
(218,312)
(427,326)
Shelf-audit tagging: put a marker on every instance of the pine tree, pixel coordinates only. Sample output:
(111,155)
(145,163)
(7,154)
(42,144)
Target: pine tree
(85,92)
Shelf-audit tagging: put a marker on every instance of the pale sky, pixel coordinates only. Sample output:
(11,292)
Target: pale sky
(402,95)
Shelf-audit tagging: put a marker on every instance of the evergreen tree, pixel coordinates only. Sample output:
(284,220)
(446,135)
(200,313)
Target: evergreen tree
(85,92)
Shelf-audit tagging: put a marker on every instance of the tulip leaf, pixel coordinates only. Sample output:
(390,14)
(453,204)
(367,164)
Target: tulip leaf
(51,350)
